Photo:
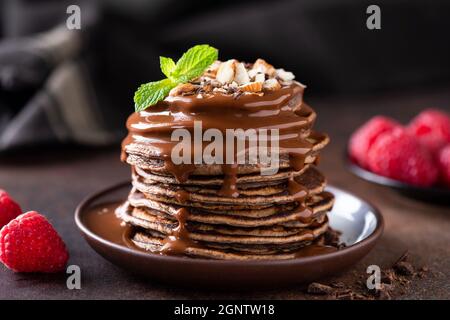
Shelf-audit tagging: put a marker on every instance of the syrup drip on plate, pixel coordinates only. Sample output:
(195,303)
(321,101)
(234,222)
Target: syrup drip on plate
(178,241)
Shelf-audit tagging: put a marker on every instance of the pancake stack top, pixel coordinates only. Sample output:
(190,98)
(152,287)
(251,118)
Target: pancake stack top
(231,210)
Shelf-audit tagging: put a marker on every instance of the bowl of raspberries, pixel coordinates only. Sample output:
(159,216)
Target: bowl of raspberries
(412,158)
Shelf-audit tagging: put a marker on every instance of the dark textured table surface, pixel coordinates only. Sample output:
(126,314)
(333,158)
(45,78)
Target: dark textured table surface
(53,181)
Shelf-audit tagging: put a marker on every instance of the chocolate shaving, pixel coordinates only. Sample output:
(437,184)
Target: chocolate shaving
(394,281)
(404,268)
(319,289)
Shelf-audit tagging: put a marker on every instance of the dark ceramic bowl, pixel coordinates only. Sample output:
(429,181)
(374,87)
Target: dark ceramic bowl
(361,225)
(438,195)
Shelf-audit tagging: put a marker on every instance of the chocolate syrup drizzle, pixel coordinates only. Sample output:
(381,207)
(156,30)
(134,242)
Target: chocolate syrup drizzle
(282,109)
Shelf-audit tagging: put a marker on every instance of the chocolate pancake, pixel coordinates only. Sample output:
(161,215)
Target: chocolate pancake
(139,156)
(253,237)
(136,198)
(154,242)
(312,181)
(227,211)
(218,180)
(165,226)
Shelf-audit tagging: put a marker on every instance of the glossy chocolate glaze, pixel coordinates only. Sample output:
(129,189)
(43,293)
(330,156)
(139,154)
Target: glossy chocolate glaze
(281,109)
(103,221)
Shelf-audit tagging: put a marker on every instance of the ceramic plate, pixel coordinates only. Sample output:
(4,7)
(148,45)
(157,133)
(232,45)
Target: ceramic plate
(361,225)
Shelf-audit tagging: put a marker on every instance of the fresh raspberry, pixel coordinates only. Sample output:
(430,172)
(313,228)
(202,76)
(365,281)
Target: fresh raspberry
(9,209)
(398,155)
(444,165)
(432,128)
(29,243)
(363,138)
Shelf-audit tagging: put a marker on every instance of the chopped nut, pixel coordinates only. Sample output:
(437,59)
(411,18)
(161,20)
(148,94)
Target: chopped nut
(225,73)
(207,87)
(183,89)
(221,90)
(252,87)
(212,70)
(260,77)
(237,78)
(284,75)
(262,66)
(252,73)
(241,75)
(233,85)
(271,84)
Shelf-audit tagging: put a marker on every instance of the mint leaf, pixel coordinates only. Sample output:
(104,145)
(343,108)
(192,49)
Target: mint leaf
(151,93)
(167,65)
(191,65)
(194,62)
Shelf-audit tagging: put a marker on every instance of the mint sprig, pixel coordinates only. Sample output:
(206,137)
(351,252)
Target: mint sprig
(191,65)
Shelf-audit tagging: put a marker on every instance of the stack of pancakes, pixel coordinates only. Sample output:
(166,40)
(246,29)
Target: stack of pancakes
(184,209)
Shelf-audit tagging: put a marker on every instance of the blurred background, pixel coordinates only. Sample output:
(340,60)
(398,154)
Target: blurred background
(61,86)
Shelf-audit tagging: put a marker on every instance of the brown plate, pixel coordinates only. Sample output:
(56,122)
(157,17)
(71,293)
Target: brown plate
(361,225)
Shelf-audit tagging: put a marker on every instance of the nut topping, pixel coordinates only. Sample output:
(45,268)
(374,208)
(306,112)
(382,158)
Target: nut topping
(183,90)
(241,75)
(225,73)
(236,78)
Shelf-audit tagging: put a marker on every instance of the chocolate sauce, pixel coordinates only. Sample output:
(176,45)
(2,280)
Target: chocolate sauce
(314,250)
(296,190)
(300,193)
(103,221)
(182,196)
(281,109)
(178,241)
(229,187)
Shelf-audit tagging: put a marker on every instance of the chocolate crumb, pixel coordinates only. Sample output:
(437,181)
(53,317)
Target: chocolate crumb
(359,296)
(388,276)
(403,257)
(404,268)
(344,295)
(319,289)
(423,272)
(384,294)
(394,282)
(338,285)
(332,238)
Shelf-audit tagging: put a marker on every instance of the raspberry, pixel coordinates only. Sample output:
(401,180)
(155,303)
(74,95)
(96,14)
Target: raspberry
(9,209)
(432,128)
(29,243)
(398,155)
(444,165)
(363,138)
